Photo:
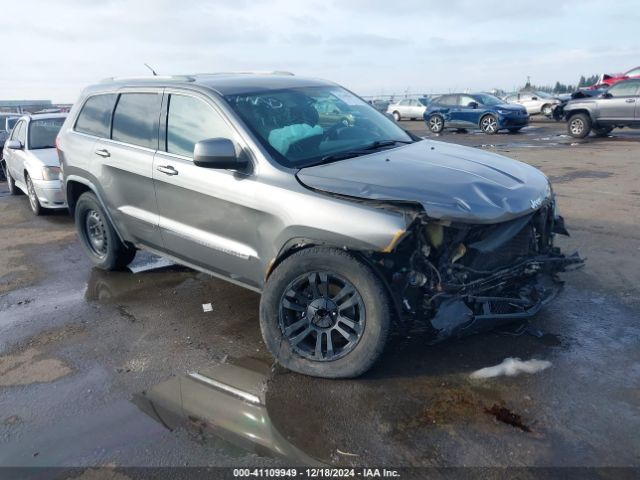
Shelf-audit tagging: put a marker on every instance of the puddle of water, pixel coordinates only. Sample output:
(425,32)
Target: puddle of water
(226,401)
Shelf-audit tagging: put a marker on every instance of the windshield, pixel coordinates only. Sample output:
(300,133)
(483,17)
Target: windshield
(306,126)
(42,133)
(544,95)
(486,99)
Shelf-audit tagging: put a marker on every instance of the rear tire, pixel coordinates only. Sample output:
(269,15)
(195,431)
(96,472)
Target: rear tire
(579,125)
(97,236)
(436,123)
(324,313)
(34,203)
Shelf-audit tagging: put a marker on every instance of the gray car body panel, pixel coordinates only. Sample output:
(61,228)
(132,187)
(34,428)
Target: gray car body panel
(450,181)
(609,111)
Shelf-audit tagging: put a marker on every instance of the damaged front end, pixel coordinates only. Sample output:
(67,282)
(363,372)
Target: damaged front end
(464,278)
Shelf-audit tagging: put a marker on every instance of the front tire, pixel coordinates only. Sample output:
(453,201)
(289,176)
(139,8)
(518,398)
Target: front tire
(489,124)
(579,125)
(97,236)
(436,123)
(11,183)
(396,116)
(547,110)
(324,313)
(36,208)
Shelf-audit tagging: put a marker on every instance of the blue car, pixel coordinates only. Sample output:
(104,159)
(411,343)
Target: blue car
(474,110)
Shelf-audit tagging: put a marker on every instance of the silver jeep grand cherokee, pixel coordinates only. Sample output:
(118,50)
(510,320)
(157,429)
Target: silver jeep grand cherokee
(345,228)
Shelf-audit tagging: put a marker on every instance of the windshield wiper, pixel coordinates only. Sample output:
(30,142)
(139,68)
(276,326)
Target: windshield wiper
(360,151)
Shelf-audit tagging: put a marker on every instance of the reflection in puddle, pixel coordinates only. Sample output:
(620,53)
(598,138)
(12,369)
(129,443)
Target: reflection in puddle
(226,401)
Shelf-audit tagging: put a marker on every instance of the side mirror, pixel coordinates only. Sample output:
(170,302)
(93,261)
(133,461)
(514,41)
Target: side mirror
(606,95)
(14,144)
(473,105)
(534,98)
(217,153)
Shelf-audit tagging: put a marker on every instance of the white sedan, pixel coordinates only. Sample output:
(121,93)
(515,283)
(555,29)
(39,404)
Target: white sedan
(31,161)
(407,108)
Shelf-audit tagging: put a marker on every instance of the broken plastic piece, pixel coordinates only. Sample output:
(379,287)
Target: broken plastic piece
(207,307)
(511,367)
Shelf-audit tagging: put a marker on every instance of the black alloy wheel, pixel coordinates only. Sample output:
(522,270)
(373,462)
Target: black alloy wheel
(322,316)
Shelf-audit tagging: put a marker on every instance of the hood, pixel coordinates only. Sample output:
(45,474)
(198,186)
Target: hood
(511,106)
(451,182)
(46,156)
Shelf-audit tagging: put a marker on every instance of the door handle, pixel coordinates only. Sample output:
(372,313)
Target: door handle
(103,152)
(630,100)
(167,169)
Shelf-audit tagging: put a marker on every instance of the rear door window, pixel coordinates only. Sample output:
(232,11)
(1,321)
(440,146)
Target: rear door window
(190,120)
(448,100)
(95,116)
(135,119)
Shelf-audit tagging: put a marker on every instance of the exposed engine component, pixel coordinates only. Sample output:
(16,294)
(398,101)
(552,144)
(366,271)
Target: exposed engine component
(462,278)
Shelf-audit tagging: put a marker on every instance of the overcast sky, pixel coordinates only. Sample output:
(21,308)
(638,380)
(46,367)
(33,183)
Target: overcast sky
(52,49)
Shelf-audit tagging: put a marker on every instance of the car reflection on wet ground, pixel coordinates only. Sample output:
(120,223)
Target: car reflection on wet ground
(127,368)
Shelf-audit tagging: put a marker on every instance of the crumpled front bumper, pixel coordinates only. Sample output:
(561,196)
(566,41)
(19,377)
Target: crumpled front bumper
(464,314)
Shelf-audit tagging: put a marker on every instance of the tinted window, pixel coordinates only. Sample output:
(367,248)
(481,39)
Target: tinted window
(190,120)
(624,89)
(134,120)
(11,122)
(42,133)
(95,117)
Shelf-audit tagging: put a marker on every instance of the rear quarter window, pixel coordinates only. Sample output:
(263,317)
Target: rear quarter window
(135,119)
(95,116)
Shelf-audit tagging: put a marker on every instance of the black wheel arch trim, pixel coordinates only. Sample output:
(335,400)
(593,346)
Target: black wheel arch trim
(571,113)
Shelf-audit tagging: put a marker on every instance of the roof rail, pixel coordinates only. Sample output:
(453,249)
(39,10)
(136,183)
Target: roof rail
(273,72)
(176,78)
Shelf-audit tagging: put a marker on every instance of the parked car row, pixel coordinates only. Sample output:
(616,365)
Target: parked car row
(31,163)
(478,110)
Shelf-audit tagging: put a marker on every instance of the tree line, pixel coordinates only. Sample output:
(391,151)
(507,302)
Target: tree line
(566,88)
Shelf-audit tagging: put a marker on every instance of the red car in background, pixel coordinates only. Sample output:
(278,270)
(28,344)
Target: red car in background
(609,79)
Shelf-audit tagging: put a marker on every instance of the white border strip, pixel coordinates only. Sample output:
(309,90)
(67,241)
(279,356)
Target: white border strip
(227,388)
